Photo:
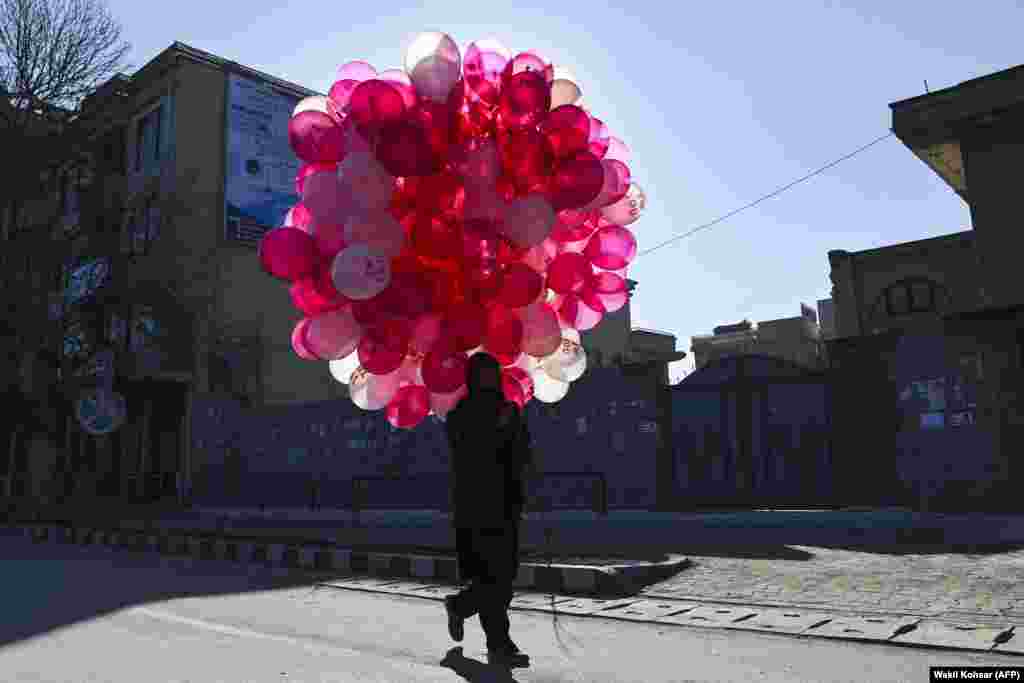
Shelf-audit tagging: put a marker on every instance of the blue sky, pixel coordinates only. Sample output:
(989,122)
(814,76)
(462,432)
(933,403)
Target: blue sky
(720,103)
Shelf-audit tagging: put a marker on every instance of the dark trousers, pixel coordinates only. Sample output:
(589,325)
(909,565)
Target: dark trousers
(489,559)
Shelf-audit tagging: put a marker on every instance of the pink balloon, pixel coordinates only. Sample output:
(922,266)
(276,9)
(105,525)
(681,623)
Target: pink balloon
(309,169)
(627,210)
(528,62)
(401,82)
(573,225)
(599,138)
(426,332)
(377,229)
(409,406)
(568,273)
(528,220)
(442,404)
(616,184)
(483,68)
(360,272)
(316,137)
(298,217)
(525,100)
(357,71)
(541,332)
(444,370)
(539,257)
(612,247)
(340,95)
(333,335)
(517,386)
(521,285)
(288,253)
(606,292)
(576,314)
(299,340)
(617,150)
(307,299)
(330,238)
(324,196)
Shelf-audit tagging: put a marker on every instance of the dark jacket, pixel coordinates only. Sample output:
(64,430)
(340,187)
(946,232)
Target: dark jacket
(490,451)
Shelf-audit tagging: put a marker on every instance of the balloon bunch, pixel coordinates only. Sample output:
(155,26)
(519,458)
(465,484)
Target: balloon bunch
(465,203)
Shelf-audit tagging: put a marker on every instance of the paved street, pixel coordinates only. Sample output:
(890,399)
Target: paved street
(89,614)
(958,587)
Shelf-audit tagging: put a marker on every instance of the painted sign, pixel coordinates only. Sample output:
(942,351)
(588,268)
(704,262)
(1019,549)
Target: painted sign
(101,411)
(261,167)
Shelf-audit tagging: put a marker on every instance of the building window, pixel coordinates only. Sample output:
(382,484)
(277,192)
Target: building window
(147,141)
(897,300)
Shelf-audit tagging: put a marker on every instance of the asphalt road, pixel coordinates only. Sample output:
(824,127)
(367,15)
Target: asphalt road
(88,614)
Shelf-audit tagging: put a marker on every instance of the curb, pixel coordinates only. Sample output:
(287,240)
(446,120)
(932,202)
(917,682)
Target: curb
(605,581)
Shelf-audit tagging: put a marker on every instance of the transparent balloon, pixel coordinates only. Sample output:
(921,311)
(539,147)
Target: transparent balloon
(434,64)
(627,210)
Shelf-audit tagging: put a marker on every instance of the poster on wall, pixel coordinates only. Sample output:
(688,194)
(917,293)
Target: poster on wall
(259,186)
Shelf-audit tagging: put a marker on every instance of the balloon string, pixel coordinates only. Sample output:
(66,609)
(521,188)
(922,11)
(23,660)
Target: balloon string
(768,196)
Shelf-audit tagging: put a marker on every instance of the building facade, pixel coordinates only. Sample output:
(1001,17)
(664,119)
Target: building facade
(796,339)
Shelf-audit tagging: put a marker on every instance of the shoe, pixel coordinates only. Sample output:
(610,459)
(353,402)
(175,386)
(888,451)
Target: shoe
(455,623)
(508,656)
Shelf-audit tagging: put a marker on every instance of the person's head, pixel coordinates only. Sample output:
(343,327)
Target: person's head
(483,373)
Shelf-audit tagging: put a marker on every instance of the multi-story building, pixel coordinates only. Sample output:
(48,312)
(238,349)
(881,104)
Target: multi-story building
(795,339)
(930,333)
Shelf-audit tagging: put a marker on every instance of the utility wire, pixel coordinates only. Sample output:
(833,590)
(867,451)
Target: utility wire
(769,195)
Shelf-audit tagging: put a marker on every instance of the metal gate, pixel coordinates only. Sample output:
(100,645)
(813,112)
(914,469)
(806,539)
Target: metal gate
(752,431)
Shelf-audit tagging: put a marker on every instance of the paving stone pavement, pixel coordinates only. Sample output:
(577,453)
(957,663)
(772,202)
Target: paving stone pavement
(956,587)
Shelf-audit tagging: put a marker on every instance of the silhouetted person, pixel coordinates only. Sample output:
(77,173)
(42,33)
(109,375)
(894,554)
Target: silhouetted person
(490,448)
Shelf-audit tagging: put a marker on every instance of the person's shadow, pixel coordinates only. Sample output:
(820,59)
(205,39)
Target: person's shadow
(474,670)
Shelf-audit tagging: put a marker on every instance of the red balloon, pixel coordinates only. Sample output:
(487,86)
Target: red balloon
(568,273)
(384,346)
(575,313)
(567,130)
(308,169)
(406,296)
(541,332)
(504,331)
(465,325)
(408,406)
(520,286)
(444,370)
(288,253)
(439,195)
(612,247)
(340,94)
(517,386)
(433,237)
(330,238)
(374,104)
(528,62)
(483,69)
(525,100)
(576,181)
(316,137)
(480,239)
(526,158)
(605,292)
(403,149)
(574,225)
(307,299)
(435,119)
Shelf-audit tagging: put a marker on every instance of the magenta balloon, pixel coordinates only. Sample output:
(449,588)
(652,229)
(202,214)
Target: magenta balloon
(308,169)
(357,71)
(576,314)
(525,100)
(426,332)
(444,370)
(299,217)
(599,138)
(330,238)
(374,104)
(567,129)
(568,273)
(333,335)
(541,332)
(299,340)
(408,406)
(615,187)
(340,94)
(325,197)
(316,137)
(403,148)
(517,385)
(573,225)
(611,290)
(401,82)
(612,247)
(384,346)
(288,253)
(520,286)
(577,181)
(482,70)
(307,299)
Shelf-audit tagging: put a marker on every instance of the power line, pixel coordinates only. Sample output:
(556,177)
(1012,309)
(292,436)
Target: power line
(768,196)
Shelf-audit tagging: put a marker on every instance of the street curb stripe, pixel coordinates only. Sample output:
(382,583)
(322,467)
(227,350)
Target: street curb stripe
(283,557)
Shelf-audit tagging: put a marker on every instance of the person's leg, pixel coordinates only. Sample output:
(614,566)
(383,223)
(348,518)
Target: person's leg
(496,588)
(465,555)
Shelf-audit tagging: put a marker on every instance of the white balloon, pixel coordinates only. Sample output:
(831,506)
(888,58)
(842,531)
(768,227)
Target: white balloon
(371,392)
(315,103)
(343,368)
(360,272)
(568,363)
(434,65)
(546,389)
